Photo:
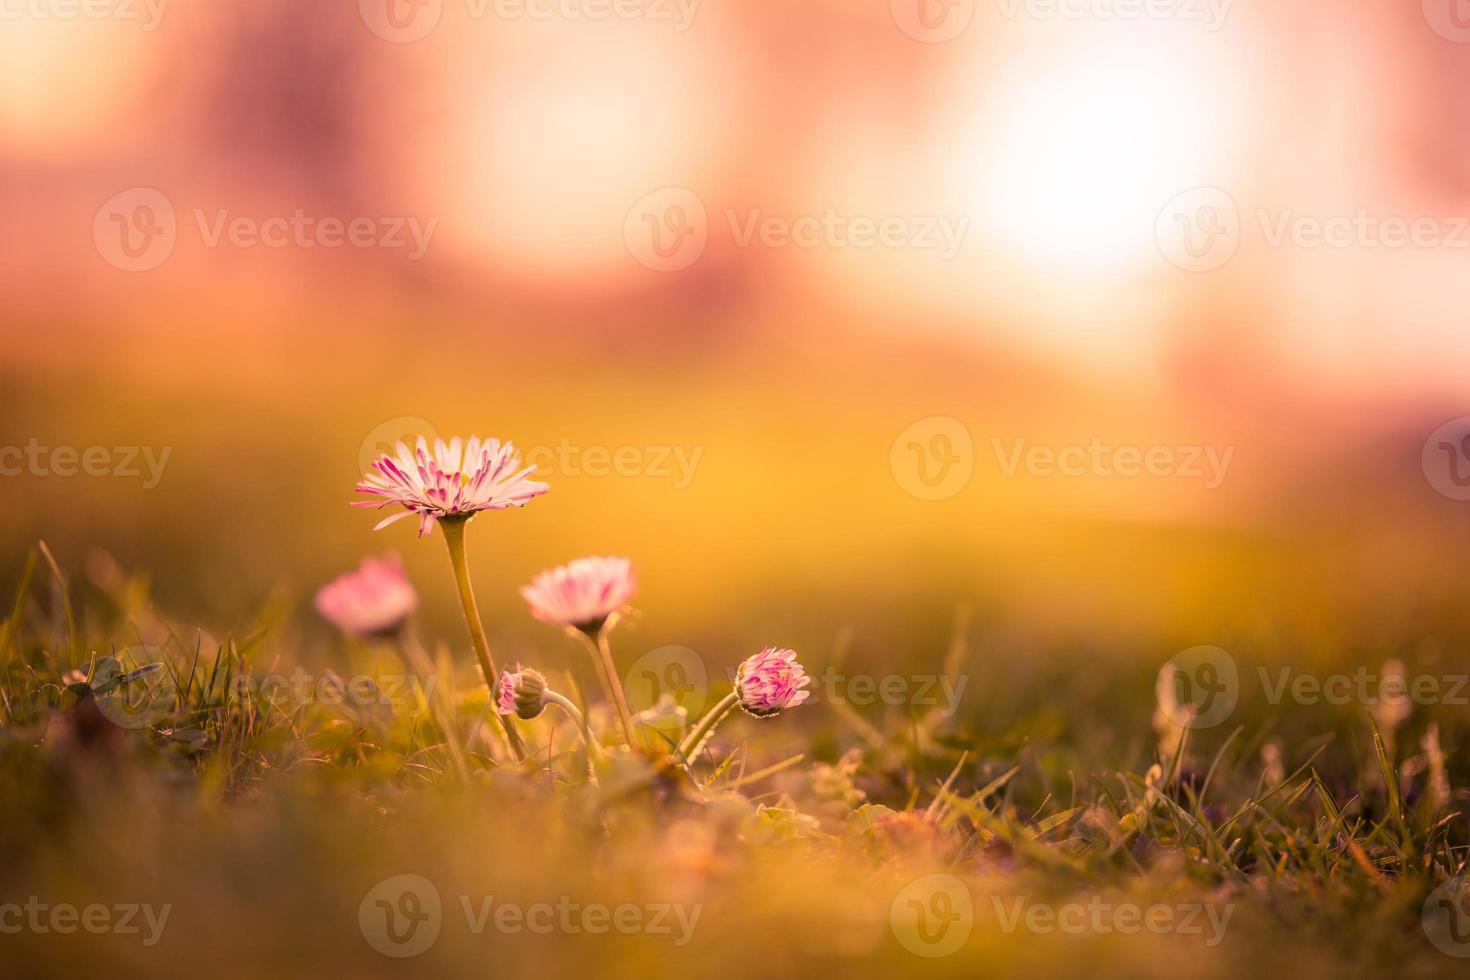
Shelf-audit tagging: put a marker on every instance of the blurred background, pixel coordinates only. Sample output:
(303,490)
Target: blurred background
(790,302)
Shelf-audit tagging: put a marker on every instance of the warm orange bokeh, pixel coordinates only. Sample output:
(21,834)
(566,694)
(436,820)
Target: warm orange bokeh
(535,158)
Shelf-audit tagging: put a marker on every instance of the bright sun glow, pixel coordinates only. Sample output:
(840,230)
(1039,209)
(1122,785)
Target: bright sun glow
(1073,156)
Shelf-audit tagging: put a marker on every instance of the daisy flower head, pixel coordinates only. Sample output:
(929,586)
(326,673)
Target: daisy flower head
(454,479)
(370,600)
(770,682)
(521,692)
(582,593)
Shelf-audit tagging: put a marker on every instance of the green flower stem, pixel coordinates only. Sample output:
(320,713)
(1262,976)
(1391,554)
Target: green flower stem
(694,742)
(615,682)
(594,751)
(602,680)
(453,529)
(608,674)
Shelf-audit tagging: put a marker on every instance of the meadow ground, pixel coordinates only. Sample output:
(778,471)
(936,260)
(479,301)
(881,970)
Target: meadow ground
(242,810)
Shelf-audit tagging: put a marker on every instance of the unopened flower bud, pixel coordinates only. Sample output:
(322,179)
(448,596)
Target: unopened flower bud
(521,693)
(771,681)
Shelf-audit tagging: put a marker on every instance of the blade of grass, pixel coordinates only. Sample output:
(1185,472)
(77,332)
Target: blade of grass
(12,623)
(61,587)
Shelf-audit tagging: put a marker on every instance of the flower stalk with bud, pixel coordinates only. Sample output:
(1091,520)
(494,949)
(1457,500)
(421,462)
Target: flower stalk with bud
(448,486)
(525,694)
(765,685)
(585,598)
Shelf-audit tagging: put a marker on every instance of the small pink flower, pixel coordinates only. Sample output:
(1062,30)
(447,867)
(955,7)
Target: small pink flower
(582,593)
(455,480)
(771,681)
(375,598)
(520,692)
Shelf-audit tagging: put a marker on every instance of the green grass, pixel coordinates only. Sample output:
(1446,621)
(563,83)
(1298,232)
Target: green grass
(1302,842)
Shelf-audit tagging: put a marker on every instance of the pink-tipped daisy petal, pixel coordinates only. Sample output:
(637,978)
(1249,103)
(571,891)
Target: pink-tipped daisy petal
(449,479)
(770,682)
